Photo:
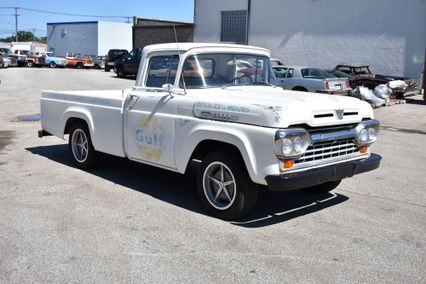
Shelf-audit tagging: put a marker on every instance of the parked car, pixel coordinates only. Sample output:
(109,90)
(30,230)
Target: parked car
(32,59)
(114,54)
(128,65)
(98,61)
(4,61)
(47,59)
(309,79)
(244,133)
(19,59)
(76,60)
(276,62)
(361,75)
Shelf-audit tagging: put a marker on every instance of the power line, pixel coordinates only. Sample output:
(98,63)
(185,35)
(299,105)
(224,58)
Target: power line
(71,14)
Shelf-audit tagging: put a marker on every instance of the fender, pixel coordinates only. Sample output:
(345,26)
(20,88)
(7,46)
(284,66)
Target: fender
(235,137)
(77,112)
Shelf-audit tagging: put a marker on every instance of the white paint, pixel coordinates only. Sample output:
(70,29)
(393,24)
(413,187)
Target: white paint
(387,34)
(88,37)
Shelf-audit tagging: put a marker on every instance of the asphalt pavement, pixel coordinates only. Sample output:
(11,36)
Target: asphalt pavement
(126,222)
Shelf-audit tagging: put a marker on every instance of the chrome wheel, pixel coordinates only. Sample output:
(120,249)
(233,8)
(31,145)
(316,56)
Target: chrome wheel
(219,185)
(79,145)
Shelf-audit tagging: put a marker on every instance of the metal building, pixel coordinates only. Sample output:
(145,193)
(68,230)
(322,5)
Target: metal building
(388,35)
(93,37)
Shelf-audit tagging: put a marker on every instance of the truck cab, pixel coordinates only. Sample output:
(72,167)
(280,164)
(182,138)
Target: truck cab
(76,60)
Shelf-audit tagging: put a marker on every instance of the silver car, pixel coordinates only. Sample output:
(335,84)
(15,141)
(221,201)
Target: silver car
(309,79)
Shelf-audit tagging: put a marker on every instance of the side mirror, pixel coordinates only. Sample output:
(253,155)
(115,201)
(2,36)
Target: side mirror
(167,88)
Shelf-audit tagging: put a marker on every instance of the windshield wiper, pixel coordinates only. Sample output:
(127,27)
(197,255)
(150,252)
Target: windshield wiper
(248,84)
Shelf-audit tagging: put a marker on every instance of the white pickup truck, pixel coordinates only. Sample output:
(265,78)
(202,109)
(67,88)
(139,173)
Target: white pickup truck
(218,103)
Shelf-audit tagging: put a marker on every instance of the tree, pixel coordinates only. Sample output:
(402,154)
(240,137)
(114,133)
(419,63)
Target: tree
(24,36)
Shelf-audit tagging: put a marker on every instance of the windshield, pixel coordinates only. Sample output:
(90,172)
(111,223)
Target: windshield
(315,73)
(7,51)
(217,70)
(27,52)
(361,70)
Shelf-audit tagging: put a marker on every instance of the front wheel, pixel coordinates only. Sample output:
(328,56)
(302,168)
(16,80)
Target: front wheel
(225,187)
(120,72)
(324,187)
(30,64)
(80,144)
(52,64)
(79,65)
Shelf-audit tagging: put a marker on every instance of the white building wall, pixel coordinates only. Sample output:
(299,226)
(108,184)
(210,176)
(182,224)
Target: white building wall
(388,35)
(73,37)
(207,17)
(113,35)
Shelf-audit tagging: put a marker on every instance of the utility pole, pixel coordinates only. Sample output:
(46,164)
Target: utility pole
(16,23)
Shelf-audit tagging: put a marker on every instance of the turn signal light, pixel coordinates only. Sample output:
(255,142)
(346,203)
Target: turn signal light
(363,149)
(288,164)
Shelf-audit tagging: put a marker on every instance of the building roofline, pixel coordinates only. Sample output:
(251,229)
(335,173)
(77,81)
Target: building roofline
(73,23)
(163,20)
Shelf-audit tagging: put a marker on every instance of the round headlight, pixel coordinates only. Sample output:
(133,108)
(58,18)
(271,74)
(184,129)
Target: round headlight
(372,135)
(287,146)
(298,144)
(363,135)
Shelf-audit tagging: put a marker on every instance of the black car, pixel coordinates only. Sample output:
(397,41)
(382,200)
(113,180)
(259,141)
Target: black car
(128,65)
(114,54)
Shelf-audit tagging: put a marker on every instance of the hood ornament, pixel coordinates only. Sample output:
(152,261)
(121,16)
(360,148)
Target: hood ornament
(339,114)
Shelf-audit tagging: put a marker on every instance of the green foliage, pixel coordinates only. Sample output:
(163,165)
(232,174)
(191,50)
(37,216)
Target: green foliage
(25,36)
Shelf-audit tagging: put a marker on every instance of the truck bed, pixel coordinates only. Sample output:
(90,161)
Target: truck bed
(101,110)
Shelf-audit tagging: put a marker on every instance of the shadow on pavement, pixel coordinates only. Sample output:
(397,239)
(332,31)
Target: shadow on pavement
(179,190)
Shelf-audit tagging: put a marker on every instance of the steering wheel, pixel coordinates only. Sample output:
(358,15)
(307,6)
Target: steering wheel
(239,79)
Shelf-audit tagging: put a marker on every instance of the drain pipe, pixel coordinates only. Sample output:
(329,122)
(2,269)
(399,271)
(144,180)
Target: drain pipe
(248,21)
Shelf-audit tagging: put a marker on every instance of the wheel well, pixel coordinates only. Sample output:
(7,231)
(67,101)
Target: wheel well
(207,146)
(300,88)
(71,121)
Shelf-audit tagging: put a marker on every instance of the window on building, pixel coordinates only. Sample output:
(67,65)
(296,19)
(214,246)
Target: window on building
(234,25)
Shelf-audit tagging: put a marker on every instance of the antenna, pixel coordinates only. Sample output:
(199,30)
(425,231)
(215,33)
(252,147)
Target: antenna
(177,47)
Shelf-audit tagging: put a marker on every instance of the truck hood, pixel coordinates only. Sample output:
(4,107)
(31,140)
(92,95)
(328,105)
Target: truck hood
(277,108)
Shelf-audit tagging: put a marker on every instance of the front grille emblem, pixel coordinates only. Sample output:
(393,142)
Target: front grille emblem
(339,114)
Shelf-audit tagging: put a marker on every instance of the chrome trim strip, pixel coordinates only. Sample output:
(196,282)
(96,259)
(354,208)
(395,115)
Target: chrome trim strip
(333,136)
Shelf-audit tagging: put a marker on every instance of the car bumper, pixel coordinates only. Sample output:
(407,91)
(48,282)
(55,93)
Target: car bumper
(89,65)
(110,63)
(292,181)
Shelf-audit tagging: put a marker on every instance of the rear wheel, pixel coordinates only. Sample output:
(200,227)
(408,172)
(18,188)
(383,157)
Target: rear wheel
(30,64)
(225,187)
(52,64)
(79,65)
(324,187)
(81,148)
(120,72)
(107,68)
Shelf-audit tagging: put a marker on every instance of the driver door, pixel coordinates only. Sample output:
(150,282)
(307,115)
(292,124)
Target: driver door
(150,116)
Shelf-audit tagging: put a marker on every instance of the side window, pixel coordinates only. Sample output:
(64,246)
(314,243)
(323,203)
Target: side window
(162,70)
(290,73)
(280,72)
(133,55)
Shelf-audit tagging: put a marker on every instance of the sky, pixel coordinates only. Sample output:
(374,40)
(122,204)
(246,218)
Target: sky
(179,10)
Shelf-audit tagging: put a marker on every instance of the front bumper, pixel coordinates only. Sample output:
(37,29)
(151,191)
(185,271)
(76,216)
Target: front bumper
(287,182)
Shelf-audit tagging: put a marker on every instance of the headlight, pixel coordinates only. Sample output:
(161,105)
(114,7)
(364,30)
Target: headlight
(291,143)
(287,146)
(298,144)
(367,132)
(363,135)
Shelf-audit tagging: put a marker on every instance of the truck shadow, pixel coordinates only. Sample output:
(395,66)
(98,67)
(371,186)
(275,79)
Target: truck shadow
(179,190)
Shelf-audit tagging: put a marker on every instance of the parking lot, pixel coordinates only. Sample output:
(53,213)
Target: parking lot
(126,222)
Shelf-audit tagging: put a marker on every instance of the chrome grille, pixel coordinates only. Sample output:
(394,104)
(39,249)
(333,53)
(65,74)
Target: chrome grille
(328,150)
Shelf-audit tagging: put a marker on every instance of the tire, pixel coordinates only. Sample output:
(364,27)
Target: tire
(230,201)
(81,148)
(300,89)
(120,72)
(1,65)
(97,66)
(106,68)
(79,65)
(324,187)
(30,64)
(52,64)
